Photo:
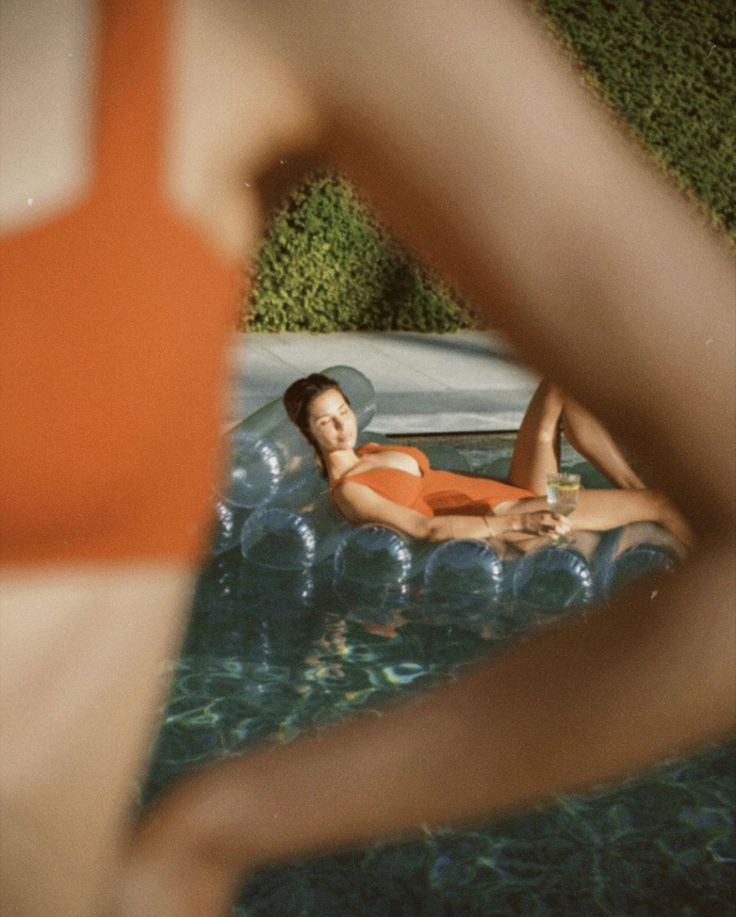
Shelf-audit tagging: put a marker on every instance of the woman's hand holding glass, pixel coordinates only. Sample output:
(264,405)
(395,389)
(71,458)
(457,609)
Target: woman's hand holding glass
(544,522)
(540,522)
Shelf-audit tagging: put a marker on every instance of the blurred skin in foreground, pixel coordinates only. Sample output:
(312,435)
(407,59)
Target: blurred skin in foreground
(476,143)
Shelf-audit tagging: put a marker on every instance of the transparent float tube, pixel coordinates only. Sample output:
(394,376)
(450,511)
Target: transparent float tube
(633,551)
(227,526)
(277,538)
(372,569)
(463,577)
(554,577)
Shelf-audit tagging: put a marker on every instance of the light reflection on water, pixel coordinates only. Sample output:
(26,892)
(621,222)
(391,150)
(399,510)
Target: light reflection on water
(264,661)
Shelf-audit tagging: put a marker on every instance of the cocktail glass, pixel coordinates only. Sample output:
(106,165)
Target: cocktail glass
(563,490)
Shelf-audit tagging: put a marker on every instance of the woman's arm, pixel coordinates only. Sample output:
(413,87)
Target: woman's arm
(360,504)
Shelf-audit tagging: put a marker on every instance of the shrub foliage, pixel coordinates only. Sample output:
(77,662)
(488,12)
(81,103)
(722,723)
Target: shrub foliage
(669,68)
(326,264)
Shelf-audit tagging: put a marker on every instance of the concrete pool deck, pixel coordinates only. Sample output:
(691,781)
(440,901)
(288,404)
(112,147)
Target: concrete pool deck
(467,382)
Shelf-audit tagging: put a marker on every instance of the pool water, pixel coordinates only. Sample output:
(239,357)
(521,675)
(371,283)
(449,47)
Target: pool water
(267,657)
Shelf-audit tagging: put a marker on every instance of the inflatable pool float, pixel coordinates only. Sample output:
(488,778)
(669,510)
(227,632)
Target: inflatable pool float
(275,505)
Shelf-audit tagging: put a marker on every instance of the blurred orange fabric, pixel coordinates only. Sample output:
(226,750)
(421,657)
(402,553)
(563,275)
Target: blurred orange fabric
(113,320)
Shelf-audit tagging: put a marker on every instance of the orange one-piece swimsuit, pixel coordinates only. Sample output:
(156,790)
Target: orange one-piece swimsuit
(433,492)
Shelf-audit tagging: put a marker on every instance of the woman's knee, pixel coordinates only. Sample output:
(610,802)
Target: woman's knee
(550,393)
(551,401)
(670,517)
(661,505)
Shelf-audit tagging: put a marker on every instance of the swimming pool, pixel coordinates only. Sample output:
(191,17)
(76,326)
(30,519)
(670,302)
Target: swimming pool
(267,657)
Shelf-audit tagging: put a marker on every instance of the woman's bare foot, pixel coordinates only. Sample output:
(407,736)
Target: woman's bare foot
(675,523)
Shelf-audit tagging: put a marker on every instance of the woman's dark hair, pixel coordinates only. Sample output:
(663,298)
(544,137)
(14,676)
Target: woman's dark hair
(297,398)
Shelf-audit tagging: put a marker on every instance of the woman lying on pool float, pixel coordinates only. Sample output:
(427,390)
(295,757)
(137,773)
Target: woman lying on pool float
(395,486)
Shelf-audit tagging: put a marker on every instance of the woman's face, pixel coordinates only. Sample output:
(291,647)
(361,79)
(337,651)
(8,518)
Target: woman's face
(332,421)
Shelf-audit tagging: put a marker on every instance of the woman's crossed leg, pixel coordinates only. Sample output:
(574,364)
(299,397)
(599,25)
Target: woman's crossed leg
(537,450)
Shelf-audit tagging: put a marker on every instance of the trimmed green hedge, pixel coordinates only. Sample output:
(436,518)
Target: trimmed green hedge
(327,265)
(668,66)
